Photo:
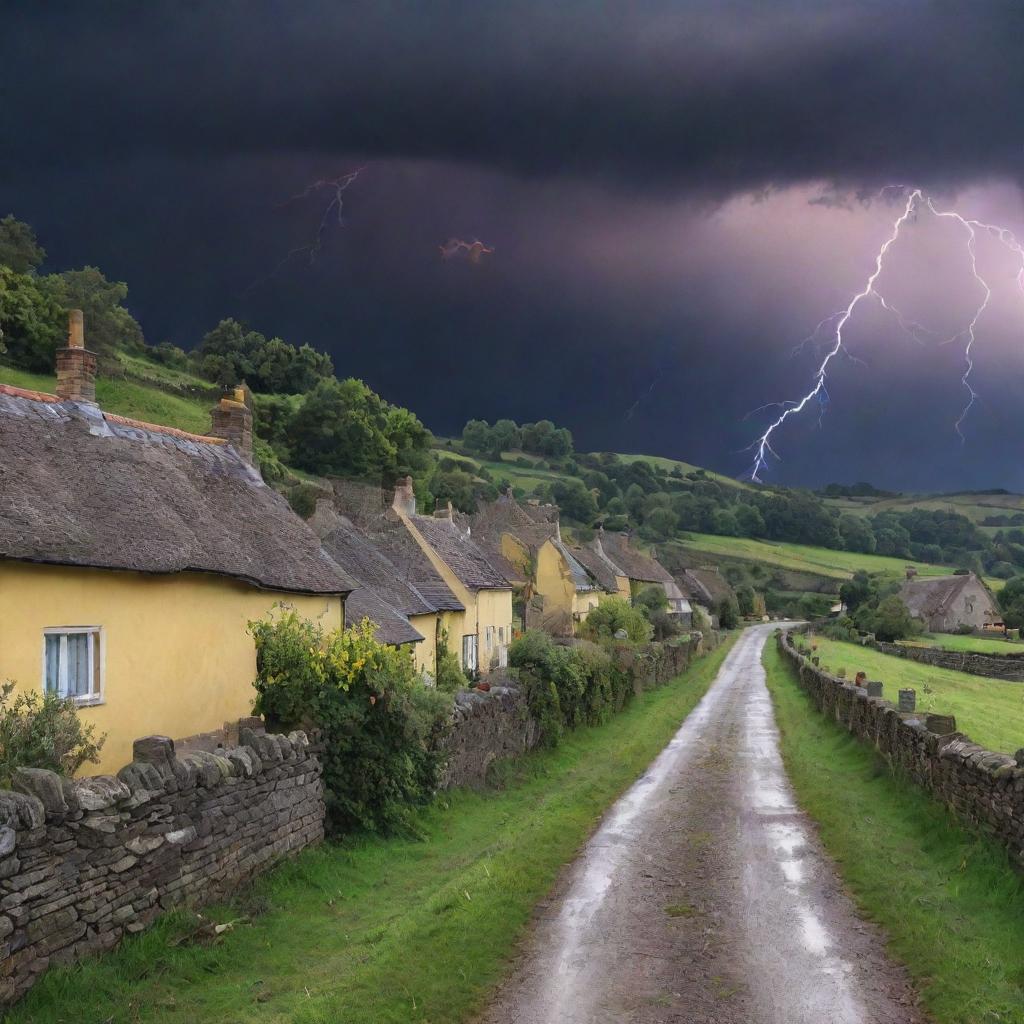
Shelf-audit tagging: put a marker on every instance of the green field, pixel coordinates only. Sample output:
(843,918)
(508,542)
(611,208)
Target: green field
(840,565)
(950,903)
(990,711)
(128,398)
(977,644)
(384,931)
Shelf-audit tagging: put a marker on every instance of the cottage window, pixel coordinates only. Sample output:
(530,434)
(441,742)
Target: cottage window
(489,637)
(469,652)
(72,663)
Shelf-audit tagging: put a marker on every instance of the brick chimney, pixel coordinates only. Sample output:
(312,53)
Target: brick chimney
(405,496)
(444,510)
(232,419)
(76,365)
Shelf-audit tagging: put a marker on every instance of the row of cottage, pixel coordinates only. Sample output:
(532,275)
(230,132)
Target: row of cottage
(133,556)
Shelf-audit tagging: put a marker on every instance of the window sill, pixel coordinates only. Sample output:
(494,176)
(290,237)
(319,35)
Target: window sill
(88,702)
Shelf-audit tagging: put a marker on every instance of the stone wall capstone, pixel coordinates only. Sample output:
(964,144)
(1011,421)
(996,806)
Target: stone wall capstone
(85,861)
(985,789)
(1009,667)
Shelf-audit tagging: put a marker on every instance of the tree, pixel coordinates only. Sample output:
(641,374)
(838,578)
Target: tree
(749,520)
(728,613)
(724,523)
(745,599)
(340,427)
(613,615)
(505,436)
(19,249)
(857,591)
(651,598)
(1011,602)
(109,327)
(574,500)
(476,436)
(856,534)
(661,523)
(890,620)
(31,322)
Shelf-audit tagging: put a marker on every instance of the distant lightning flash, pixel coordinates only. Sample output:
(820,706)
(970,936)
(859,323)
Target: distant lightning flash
(336,205)
(819,393)
(474,250)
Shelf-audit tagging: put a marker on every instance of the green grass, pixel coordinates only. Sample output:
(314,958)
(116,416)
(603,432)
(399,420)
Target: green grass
(990,711)
(128,398)
(838,565)
(385,931)
(949,901)
(978,644)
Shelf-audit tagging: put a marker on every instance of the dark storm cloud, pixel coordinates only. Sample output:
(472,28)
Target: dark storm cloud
(712,96)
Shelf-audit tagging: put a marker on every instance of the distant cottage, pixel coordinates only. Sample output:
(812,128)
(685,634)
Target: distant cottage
(942,604)
(132,557)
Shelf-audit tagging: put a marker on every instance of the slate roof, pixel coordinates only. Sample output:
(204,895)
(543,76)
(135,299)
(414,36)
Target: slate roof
(80,487)
(363,507)
(392,627)
(708,587)
(929,596)
(598,566)
(458,551)
(633,563)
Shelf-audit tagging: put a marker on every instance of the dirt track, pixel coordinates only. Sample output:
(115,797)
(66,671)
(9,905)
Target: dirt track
(705,897)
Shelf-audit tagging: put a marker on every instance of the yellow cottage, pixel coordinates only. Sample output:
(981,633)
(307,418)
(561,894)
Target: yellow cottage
(485,593)
(132,557)
(557,591)
(401,592)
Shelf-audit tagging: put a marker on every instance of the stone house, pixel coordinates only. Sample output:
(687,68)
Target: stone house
(133,556)
(942,604)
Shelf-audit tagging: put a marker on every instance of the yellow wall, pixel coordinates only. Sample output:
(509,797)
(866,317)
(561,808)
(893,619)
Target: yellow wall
(518,554)
(554,582)
(483,607)
(177,657)
(425,652)
(585,602)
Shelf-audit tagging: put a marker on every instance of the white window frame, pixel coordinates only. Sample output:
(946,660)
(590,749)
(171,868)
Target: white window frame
(489,639)
(469,652)
(96,636)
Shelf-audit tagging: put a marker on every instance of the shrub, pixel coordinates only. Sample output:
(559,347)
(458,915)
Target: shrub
(842,628)
(728,613)
(43,731)
(612,615)
(448,675)
(379,725)
(530,654)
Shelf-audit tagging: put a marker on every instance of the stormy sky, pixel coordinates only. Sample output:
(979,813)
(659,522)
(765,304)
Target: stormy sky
(676,193)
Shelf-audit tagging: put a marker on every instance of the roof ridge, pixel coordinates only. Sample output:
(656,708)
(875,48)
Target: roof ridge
(159,428)
(35,396)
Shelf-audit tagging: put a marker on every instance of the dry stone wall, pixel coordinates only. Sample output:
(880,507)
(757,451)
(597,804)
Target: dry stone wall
(85,861)
(985,789)
(1008,666)
(492,725)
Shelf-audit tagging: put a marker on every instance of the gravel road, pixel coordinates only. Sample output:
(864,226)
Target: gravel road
(705,896)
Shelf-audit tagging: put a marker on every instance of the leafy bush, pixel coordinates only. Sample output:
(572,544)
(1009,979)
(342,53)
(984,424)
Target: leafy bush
(379,724)
(612,615)
(530,654)
(728,613)
(43,731)
(842,628)
(889,621)
(448,674)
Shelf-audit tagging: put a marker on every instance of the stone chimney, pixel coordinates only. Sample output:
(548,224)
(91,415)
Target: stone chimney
(76,365)
(232,420)
(443,510)
(405,496)
(911,572)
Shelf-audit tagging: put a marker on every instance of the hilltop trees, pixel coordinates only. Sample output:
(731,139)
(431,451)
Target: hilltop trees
(540,438)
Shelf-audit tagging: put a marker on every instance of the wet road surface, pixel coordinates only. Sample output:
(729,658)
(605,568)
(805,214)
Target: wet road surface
(705,897)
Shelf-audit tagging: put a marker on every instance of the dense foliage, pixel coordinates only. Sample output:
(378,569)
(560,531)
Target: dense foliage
(43,731)
(1011,602)
(378,722)
(616,615)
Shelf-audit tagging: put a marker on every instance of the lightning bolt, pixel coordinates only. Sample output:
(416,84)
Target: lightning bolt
(336,188)
(763,448)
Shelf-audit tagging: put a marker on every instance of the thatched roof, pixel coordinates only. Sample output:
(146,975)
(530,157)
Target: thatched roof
(634,563)
(598,567)
(926,597)
(455,548)
(363,506)
(78,487)
(390,625)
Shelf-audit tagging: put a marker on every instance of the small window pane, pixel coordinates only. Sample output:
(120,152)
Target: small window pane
(52,664)
(78,665)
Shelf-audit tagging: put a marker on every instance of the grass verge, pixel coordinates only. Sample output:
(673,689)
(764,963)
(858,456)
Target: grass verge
(990,711)
(950,902)
(384,930)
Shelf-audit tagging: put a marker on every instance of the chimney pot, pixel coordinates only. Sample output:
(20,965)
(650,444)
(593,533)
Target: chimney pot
(405,496)
(231,419)
(76,365)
